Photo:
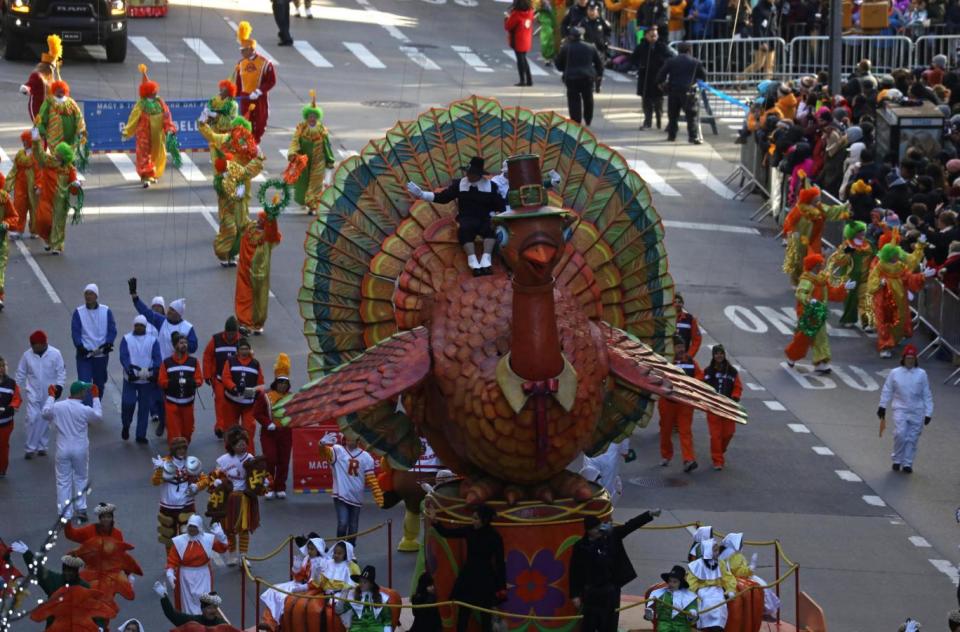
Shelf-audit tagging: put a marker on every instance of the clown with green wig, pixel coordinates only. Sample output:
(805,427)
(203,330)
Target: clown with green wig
(58,181)
(891,285)
(851,261)
(310,153)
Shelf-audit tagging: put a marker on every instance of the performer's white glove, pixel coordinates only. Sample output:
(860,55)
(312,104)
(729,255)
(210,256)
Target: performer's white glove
(883,282)
(415,190)
(19,546)
(131,579)
(217,483)
(554,178)
(329,439)
(76,184)
(157,461)
(171,578)
(206,114)
(160,589)
(929,272)
(34,134)
(753,562)
(910,296)
(24,89)
(255,94)
(192,489)
(218,533)
(272,426)
(327,177)
(849,285)
(814,301)
(241,190)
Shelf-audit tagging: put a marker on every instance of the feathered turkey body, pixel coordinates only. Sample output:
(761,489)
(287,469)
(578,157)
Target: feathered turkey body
(510,376)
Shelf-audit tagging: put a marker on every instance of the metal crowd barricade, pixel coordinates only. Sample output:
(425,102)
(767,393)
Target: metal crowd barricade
(809,54)
(950,317)
(925,47)
(737,62)
(752,174)
(930,313)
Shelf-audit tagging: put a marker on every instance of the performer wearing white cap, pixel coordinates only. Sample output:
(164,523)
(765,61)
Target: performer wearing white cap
(732,556)
(713,584)
(306,566)
(701,535)
(94,331)
(140,358)
(188,564)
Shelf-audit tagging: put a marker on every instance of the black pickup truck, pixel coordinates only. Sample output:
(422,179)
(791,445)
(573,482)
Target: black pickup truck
(77,22)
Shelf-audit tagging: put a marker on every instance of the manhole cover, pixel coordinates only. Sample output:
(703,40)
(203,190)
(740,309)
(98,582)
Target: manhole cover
(393,105)
(658,481)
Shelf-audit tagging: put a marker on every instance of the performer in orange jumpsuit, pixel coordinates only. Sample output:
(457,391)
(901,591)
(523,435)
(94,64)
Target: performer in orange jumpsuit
(180,377)
(687,327)
(188,563)
(23,181)
(724,379)
(8,221)
(254,76)
(107,565)
(252,295)
(151,123)
(679,416)
(222,347)
(812,293)
(241,375)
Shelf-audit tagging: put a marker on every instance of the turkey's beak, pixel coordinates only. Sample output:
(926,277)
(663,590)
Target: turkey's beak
(540,254)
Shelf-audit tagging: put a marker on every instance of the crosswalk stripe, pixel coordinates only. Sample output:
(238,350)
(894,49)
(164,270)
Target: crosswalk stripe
(204,52)
(149,51)
(534,69)
(711,181)
(189,169)
(711,228)
(363,53)
(260,177)
(471,58)
(311,55)
(4,158)
(419,58)
(284,153)
(617,77)
(125,166)
(653,178)
(260,49)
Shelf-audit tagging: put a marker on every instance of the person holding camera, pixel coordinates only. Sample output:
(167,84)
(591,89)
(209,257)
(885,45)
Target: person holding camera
(600,568)
(680,74)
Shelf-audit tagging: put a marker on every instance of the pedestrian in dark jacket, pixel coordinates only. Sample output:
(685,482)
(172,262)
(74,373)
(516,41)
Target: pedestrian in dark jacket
(425,619)
(764,19)
(482,580)
(649,56)
(581,66)
(600,568)
(519,27)
(576,14)
(681,73)
(597,31)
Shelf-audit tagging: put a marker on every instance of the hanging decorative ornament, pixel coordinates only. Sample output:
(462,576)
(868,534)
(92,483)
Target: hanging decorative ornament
(278,200)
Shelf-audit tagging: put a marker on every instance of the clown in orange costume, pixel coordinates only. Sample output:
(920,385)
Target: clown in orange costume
(254,76)
(253,274)
(153,126)
(23,182)
(803,229)
(813,292)
(108,566)
(8,222)
(891,284)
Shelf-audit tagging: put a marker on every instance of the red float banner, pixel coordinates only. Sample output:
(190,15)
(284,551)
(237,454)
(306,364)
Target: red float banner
(311,475)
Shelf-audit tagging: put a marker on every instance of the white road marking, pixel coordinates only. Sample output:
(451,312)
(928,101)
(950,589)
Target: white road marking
(653,178)
(755,387)
(284,153)
(390,28)
(260,48)
(419,58)
(919,541)
(715,228)
(709,180)
(822,450)
(260,177)
(149,51)
(947,569)
(617,77)
(346,153)
(4,158)
(362,53)
(190,171)
(311,54)
(535,70)
(124,165)
(37,272)
(773,404)
(799,428)
(876,501)
(847,475)
(204,52)
(471,58)
(208,215)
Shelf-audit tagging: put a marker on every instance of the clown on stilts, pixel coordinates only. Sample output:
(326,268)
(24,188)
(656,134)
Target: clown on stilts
(23,182)
(254,76)
(310,156)
(37,85)
(155,131)
(251,298)
(58,181)
(813,292)
(803,229)
(891,285)
(60,120)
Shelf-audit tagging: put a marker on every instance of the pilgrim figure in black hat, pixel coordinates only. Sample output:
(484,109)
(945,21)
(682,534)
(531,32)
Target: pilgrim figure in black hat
(483,578)
(600,568)
(673,607)
(478,197)
(370,614)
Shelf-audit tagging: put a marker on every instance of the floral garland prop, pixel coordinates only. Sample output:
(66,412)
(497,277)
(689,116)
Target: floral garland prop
(173,150)
(813,317)
(295,168)
(76,204)
(279,199)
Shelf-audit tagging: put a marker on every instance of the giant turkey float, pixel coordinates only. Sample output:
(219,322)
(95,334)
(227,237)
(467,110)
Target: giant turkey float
(511,376)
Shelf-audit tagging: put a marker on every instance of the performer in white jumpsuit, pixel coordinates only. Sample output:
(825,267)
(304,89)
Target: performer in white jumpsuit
(907,392)
(72,419)
(40,366)
(608,465)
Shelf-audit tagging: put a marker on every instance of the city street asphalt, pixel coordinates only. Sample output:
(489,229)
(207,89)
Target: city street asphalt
(874,546)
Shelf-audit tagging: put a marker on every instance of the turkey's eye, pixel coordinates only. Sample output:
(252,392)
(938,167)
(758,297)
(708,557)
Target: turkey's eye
(503,235)
(567,233)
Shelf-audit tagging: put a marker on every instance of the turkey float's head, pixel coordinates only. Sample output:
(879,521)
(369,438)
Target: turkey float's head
(531,234)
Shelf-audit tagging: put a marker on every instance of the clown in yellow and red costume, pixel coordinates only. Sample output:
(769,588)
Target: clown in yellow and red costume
(257,242)
(150,122)
(813,292)
(803,229)
(232,184)
(891,285)
(311,153)
(60,119)
(254,77)
(58,181)
(37,85)
(853,260)
(222,109)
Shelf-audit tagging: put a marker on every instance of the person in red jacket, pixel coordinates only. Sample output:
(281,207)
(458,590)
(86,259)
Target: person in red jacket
(724,379)
(222,347)
(949,270)
(9,403)
(275,441)
(519,27)
(241,376)
(180,377)
(679,416)
(37,85)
